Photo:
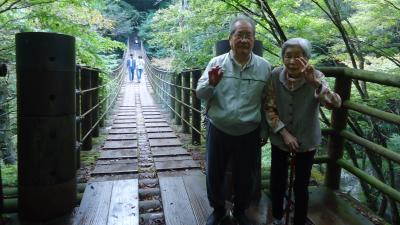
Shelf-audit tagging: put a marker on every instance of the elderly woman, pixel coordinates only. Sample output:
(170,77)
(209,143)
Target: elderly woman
(294,94)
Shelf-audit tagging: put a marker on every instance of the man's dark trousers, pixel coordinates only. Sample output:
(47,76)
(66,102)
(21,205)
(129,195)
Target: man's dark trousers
(243,150)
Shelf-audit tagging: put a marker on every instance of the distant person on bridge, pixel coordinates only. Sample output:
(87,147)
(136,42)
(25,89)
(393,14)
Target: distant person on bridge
(233,85)
(140,67)
(131,63)
(294,94)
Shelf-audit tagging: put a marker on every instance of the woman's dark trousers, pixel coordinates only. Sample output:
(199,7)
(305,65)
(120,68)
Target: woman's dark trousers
(278,185)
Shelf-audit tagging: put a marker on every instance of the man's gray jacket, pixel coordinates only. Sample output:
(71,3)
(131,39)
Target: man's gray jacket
(234,106)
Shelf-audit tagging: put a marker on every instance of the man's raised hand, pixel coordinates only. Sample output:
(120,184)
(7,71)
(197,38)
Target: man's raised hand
(215,75)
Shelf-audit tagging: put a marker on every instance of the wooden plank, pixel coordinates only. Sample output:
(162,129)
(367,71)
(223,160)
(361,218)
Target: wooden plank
(161,135)
(176,205)
(123,125)
(171,158)
(168,151)
(123,118)
(326,208)
(164,142)
(178,173)
(124,121)
(124,206)
(150,109)
(176,165)
(153,117)
(156,124)
(120,117)
(158,129)
(155,121)
(116,161)
(95,204)
(126,113)
(114,169)
(120,144)
(151,113)
(123,131)
(114,177)
(118,154)
(119,137)
(197,193)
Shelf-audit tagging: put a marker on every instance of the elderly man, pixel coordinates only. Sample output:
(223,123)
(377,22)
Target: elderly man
(233,85)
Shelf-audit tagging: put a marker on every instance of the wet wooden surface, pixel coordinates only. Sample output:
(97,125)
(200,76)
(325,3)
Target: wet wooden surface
(109,202)
(115,168)
(158,129)
(168,151)
(326,208)
(120,144)
(119,137)
(176,164)
(123,131)
(161,135)
(156,125)
(116,154)
(165,142)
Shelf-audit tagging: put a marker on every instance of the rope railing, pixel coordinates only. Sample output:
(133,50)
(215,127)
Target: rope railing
(81,92)
(172,109)
(175,95)
(177,100)
(90,127)
(105,111)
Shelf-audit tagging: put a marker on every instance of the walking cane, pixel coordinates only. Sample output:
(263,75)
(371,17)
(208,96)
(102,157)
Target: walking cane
(292,167)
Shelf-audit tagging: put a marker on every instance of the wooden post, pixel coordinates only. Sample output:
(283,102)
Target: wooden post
(78,114)
(178,105)
(172,93)
(103,105)
(86,104)
(336,142)
(95,101)
(45,64)
(1,194)
(186,100)
(196,104)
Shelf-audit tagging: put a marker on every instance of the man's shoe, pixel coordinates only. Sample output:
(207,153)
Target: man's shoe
(242,219)
(215,217)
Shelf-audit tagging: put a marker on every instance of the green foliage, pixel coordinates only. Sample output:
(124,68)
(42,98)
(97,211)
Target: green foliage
(9,175)
(187,35)
(266,156)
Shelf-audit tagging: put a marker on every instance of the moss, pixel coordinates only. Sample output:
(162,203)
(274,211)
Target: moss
(89,157)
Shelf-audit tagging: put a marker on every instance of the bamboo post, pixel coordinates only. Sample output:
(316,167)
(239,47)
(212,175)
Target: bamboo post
(78,114)
(46,120)
(178,105)
(196,104)
(86,104)
(95,101)
(336,142)
(186,101)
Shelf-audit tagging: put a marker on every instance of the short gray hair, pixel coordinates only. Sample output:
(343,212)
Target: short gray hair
(304,44)
(241,18)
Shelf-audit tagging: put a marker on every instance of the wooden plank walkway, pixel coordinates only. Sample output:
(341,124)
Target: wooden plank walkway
(109,202)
